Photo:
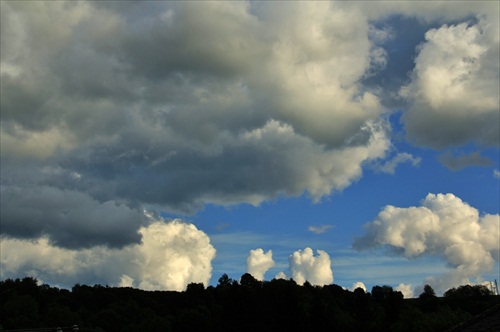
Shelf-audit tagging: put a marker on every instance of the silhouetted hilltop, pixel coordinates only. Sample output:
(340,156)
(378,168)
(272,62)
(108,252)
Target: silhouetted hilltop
(247,305)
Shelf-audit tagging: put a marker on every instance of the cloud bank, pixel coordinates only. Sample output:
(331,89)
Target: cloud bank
(68,218)
(170,256)
(179,111)
(443,226)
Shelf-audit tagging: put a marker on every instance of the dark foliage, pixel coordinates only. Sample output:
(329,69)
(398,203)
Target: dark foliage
(248,305)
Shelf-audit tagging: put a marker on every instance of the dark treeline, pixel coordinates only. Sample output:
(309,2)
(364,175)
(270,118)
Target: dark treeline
(247,305)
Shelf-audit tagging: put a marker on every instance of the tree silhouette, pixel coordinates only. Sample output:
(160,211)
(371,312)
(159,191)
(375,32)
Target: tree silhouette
(248,280)
(277,305)
(225,281)
(428,292)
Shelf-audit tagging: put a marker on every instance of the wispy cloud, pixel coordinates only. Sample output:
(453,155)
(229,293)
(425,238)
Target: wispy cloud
(390,165)
(319,229)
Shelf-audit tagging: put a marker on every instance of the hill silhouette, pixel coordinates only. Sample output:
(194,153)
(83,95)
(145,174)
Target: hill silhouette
(245,305)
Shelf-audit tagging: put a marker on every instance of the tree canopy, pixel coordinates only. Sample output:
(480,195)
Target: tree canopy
(247,305)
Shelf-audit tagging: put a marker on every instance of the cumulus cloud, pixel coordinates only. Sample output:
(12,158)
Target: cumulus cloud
(258,262)
(356,285)
(281,275)
(319,229)
(304,266)
(170,256)
(454,88)
(406,289)
(443,226)
(461,161)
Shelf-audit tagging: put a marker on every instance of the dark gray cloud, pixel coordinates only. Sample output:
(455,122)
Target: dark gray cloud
(67,218)
(458,162)
(249,167)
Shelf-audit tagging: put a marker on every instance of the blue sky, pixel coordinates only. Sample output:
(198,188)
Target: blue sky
(154,144)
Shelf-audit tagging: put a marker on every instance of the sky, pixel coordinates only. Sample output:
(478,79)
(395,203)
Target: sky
(156,144)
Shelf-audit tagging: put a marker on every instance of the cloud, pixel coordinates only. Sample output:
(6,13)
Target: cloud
(175,255)
(304,266)
(319,229)
(406,289)
(496,173)
(389,166)
(356,285)
(222,226)
(427,12)
(178,111)
(454,87)
(443,226)
(68,218)
(259,262)
(170,256)
(281,275)
(170,106)
(461,161)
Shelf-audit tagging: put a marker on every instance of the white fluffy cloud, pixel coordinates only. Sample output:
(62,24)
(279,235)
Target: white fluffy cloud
(281,275)
(406,289)
(304,266)
(444,226)
(258,262)
(171,255)
(356,285)
(455,84)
